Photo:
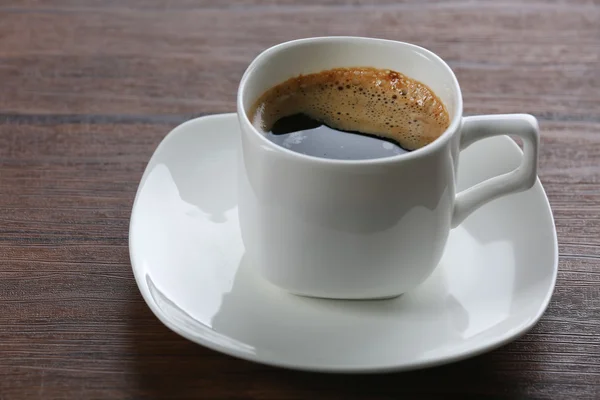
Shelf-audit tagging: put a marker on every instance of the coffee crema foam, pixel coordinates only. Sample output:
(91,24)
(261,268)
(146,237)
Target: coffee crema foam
(367,100)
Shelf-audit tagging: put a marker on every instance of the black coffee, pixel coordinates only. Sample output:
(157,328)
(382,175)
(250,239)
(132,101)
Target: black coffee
(350,113)
(306,135)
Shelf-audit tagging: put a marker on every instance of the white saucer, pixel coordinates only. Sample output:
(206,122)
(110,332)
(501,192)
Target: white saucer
(492,285)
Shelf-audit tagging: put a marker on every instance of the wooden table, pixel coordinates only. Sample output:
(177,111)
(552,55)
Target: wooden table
(90,87)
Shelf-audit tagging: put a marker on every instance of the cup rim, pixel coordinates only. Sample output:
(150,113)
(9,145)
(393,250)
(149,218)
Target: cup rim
(422,151)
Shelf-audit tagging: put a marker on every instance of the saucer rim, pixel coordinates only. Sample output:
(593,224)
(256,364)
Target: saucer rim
(431,361)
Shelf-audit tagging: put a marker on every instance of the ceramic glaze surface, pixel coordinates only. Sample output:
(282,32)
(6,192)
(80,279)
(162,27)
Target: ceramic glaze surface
(493,282)
(362,229)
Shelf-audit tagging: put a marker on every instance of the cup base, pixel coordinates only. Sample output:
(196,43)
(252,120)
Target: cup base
(325,296)
(344,298)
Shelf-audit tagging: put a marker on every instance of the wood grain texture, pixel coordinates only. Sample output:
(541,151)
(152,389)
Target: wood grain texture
(90,87)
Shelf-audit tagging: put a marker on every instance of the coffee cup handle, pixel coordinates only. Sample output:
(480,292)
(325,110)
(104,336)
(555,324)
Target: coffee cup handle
(522,178)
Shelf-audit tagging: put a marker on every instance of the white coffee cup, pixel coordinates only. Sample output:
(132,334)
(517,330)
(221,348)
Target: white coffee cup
(362,229)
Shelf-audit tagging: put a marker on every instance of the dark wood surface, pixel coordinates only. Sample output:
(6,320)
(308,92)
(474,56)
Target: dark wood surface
(88,88)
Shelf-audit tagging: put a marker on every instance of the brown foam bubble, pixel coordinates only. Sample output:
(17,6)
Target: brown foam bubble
(372,101)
